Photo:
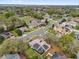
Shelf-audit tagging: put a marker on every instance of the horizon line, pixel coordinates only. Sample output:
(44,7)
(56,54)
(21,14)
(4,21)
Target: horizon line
(44,4)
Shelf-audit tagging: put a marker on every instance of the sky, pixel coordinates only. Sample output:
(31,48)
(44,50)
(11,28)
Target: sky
(41,2)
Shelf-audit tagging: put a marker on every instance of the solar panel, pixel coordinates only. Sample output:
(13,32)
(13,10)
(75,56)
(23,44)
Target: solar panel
(45,47)
(57,56)
(41,50)
(36,46)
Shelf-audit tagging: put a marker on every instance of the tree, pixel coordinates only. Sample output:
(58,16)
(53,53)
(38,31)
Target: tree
(37,15)
(17,21)
(67,44)
(1,39)
(9,24)
(66,40)
(74,13)
(46,21)
(13,46)
(19,32)
(9,14)
(28,9)
(1,29)
(51,11)
(77,27)
(58,11)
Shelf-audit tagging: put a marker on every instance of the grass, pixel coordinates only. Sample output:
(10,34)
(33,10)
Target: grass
(66,40)
(77,27)
(14,33)
(52,31)
(31,53)
(30,30)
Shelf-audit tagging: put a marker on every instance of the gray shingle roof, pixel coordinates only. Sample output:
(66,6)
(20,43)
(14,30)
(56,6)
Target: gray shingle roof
(58,56)
(41,50)
(10,56)
(36,45)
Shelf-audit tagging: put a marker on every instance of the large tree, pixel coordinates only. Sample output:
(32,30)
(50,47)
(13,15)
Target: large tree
(13,46)
(9,14)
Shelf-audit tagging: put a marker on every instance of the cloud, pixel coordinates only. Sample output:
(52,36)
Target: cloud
(41,2)
(18,1)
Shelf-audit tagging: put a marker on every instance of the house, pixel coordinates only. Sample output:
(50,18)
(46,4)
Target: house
(7,35)
(73,23)
(77,35)
(48,17)
(67,26)
(61,30)
(76,19)
(64,28)
(23,29)
(39,45)
(56,56)
(10,56)
(36,23)
(61,21)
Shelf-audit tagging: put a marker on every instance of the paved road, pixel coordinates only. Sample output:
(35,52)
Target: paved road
(39,32)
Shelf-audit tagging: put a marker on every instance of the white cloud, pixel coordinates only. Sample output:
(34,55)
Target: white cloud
(17,1)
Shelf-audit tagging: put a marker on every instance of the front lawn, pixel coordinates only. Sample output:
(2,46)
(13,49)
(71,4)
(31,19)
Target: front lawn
(77,27)
(31,53)
(52,31)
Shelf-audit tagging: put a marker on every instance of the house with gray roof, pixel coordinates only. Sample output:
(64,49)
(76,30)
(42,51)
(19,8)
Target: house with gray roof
(36,23)
(57,56)
(77,35)
(10,56)
(7,35)
(39,45)
(23,29)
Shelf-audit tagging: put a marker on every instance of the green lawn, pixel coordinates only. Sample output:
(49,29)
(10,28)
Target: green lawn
(52,31)
(67,39)
(31,53)
(14,33)
(77,27)
(30,30)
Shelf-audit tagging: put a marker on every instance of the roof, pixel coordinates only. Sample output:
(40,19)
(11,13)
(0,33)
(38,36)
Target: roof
(10,56)
(35,23)
(58,56)
(77,35)
(76,19)
(23,29)
(7,34)
(39,45)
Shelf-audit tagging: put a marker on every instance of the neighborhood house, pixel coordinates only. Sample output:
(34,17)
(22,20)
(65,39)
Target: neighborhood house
(56,56)
(39,45)
(10,56)
(7,35)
